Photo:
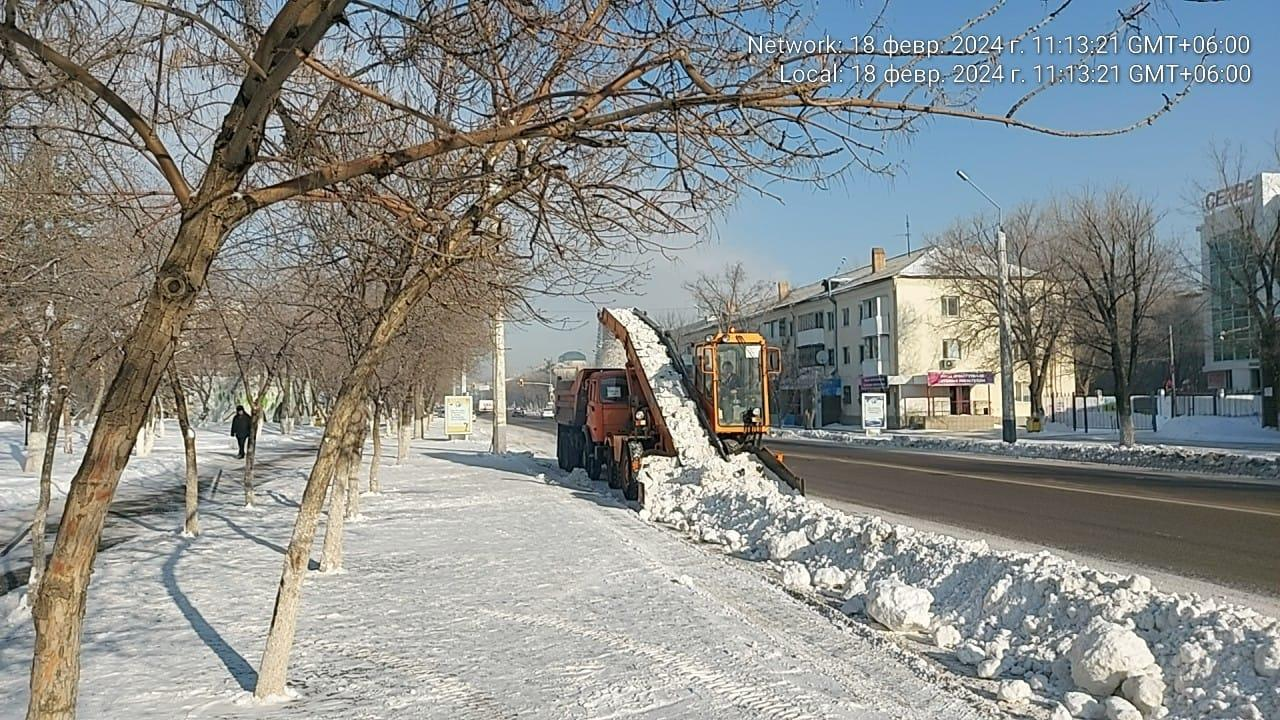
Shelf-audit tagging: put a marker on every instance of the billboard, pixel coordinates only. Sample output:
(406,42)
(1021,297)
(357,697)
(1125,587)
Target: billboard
(457,415)
(873,412)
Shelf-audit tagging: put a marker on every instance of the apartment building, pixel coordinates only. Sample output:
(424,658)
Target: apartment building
(891,327)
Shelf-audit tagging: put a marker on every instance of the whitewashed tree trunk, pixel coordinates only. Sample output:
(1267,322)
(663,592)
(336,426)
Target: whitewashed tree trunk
(191,523)
(66,428)
(377,448)
(142,448)
(39,420)
(38,524)
(353,476)
(406,431)
(419,430)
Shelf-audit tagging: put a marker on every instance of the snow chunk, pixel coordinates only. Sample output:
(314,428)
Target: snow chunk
(1120,709)
(1014,692)
(900,607)
(1266,658)
(796,577)
(1082,705)
(829,577)
(946,637)
(1146,692)
(1104,655)
(781,547)
(971,653)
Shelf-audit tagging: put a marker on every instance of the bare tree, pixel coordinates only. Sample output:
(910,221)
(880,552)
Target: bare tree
(727,297)
(1241,266)
(191,494)
(601,124)
(1121,271)
(1039,288)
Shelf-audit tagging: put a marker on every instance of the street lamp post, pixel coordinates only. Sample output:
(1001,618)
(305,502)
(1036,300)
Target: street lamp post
(1008,416)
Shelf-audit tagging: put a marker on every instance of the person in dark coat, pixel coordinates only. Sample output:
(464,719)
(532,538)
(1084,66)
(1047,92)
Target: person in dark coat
(241,426)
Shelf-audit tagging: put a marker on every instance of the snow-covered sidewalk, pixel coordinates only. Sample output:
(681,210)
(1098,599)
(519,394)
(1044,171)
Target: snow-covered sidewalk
(474,588)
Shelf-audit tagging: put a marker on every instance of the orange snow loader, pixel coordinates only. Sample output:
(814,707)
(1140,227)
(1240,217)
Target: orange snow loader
(608,419)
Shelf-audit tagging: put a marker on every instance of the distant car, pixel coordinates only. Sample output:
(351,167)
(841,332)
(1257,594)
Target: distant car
(518,412)
(548,412)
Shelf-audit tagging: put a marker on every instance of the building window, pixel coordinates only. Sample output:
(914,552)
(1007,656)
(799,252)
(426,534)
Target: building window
(844,318)
(871,348)
(831,356)
(844,351)
(817,319)
(848,393)
(831,319)
(950,306)
(782,327)
(869,308)
(951,349)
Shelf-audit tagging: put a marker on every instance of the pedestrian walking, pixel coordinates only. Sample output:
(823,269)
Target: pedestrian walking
(241,427)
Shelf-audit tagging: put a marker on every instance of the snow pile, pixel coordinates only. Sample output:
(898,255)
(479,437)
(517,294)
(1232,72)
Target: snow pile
(1057,625)
(1213,428)
(1169,457)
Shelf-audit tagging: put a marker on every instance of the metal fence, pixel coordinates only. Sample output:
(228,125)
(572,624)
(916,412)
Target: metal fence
(1086,413)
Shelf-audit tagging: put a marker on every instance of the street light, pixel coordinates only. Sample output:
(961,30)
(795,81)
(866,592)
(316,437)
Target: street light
(1008,421)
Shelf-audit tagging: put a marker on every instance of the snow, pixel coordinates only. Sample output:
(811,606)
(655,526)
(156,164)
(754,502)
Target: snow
(899,607)
(1214,429)
(478,587)
(1018,613)
(1262,462)
(1104,655)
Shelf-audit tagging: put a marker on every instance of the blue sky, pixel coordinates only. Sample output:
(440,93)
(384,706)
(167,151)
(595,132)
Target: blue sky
(807,234)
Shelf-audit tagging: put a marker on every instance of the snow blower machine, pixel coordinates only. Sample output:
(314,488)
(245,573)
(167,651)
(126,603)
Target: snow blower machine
(608,419)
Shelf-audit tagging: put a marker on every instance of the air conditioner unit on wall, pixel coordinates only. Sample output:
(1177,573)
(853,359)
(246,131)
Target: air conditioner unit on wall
(947,364)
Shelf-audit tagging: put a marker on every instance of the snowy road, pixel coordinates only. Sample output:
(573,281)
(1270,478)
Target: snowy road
(474,589)
(1206,528)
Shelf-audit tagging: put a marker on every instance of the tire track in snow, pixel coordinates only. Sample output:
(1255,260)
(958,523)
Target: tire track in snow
(762,699)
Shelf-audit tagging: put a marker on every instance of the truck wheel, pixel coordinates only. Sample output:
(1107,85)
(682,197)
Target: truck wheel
(630,486)
(563,458)
(612,471)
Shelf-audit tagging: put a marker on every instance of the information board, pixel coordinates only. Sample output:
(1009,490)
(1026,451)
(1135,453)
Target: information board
(873,407)
(457,415)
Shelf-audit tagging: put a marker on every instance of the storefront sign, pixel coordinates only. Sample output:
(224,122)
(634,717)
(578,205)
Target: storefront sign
(457,415)
(831,386)
(873,382)
(961,377)
(1229,195)
(873,412)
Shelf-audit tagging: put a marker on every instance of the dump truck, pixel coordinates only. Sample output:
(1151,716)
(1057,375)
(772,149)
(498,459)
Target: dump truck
(588,410)
(608,419)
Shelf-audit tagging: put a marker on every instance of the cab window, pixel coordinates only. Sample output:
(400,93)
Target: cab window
(613,389)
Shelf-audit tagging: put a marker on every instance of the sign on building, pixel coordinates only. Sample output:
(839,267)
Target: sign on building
(961,377)
(457,415)
(873,412)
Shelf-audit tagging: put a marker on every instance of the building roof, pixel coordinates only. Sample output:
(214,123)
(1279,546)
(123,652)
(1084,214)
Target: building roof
(911,264)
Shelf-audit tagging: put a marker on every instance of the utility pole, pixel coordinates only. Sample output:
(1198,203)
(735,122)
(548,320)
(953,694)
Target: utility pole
(499,385)
(1008,414)
(1173,379)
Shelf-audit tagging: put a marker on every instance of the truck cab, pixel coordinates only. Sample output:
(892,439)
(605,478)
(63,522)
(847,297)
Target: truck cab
(595,406)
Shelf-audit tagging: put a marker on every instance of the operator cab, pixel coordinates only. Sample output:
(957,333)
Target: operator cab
(732,371)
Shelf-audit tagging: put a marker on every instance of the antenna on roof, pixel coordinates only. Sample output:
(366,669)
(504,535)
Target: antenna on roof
(908,233)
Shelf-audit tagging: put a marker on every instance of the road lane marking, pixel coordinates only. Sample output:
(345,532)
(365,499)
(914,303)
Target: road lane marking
(1064,488)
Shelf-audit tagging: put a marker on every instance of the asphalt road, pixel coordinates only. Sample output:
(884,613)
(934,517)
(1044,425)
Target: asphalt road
(1209,528)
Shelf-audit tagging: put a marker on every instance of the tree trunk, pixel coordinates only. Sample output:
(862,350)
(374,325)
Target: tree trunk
(377,445)
(66,427)
(59,608)
(101,393)
(39,419)
(406,430)
(418,430)
(273,670)
(38,524)
(331,557)
(1269,369)
(353,477)
(1124,414)
(251,453)
(191,523)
